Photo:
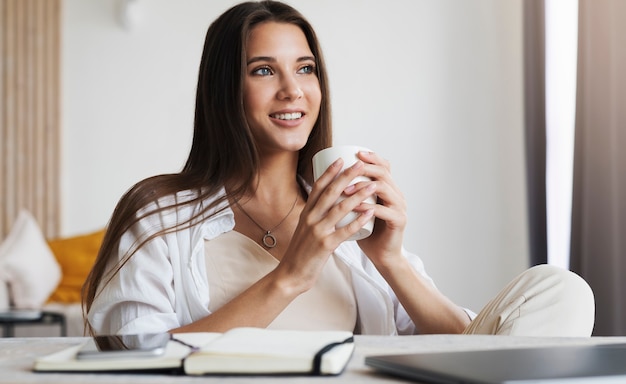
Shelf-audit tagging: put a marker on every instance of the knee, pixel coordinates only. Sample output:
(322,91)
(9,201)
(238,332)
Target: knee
(571,297)
(571,285)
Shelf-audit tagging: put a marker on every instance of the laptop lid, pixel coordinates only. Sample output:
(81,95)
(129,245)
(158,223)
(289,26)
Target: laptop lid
(572,364)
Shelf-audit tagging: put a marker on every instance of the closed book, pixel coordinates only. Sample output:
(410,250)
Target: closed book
(262,351)
(240,351)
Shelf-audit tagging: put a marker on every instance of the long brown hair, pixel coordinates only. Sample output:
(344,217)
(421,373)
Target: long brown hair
(223,152)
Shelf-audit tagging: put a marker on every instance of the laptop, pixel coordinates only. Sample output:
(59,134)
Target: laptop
(572,364)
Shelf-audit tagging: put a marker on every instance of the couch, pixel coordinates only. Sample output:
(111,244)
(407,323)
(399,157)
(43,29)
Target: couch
(45,274)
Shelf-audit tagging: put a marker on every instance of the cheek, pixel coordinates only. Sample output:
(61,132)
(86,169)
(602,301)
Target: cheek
(315,95)
(255,100)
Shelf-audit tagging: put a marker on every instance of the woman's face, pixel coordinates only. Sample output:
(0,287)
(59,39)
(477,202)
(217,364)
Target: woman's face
(282,93)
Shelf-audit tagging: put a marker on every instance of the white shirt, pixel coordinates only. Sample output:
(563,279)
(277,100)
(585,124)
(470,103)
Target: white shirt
(164,284)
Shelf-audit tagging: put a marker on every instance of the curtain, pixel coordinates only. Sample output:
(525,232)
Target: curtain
(29,112)
(598,245)
(535,121)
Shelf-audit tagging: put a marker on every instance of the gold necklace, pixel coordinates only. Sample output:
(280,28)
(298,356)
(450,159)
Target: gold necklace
(269,240)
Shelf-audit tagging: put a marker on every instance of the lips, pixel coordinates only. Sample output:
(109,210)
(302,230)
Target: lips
(287,116)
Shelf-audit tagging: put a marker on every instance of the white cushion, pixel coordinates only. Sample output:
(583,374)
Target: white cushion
(27,264)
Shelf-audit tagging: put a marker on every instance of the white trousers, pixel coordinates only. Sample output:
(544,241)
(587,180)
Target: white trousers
(542,301)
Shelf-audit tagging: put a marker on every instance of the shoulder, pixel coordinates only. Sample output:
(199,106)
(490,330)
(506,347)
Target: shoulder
(183,206)
(191,211)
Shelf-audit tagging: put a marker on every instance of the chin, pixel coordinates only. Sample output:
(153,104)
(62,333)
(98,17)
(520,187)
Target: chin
(294,144)
(298,146)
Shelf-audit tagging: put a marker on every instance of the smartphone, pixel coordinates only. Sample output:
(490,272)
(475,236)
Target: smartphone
(124,346)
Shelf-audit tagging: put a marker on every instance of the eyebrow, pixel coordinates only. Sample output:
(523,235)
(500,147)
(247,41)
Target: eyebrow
(273,59)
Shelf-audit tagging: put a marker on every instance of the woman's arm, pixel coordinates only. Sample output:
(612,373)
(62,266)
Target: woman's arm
(257,306)
(430,310)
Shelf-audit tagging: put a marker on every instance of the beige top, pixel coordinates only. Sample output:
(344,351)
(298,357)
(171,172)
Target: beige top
(234,262)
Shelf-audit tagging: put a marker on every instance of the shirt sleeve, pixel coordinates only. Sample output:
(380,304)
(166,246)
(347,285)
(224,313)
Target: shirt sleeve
(140,297)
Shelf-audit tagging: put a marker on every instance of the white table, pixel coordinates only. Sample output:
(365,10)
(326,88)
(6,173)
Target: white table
(18,354)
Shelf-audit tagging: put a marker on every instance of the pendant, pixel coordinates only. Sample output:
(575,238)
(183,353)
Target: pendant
(269,240)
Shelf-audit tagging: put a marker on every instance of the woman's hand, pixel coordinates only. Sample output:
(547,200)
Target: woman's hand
(315,236)
(317,228)
(384,245)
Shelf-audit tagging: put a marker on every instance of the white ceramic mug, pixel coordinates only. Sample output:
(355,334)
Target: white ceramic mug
(323,159)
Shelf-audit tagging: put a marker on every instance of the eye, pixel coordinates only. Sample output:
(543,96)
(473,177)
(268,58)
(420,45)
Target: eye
(262,71)
(307,69)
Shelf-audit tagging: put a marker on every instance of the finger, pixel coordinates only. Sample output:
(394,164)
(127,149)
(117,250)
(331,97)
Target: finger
(348,204)
(326,178)
(394,217)
(356,225)
(377,167)
(374,158)
(389,193)
(327,195)
(390,205)
(382,174)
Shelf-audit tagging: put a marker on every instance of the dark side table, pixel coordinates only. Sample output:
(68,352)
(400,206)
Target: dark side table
(10,318)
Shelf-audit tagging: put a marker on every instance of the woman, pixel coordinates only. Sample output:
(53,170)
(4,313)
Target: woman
(242,236)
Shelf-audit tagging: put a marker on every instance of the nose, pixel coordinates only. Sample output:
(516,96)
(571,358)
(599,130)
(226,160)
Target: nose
(290,89)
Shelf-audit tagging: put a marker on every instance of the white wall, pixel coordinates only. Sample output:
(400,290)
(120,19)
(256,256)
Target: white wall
(435,86)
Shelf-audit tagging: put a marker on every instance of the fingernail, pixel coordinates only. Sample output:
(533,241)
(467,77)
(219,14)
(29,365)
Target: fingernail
(357,165)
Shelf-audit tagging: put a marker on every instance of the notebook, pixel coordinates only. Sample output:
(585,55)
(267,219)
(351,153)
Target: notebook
(240,351)
(572,364)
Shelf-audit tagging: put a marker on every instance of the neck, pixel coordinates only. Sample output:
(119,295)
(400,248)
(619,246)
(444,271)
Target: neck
(269,212)
(276,180)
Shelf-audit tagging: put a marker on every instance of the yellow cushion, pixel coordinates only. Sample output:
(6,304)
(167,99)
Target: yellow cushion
(76,255)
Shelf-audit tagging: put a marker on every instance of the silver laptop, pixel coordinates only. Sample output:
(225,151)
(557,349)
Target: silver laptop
(568,364)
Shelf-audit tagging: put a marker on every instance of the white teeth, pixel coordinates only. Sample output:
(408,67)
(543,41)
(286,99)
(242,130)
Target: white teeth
(287,116)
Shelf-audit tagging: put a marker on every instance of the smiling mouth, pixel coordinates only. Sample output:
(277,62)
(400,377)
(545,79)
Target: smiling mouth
(287,116)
